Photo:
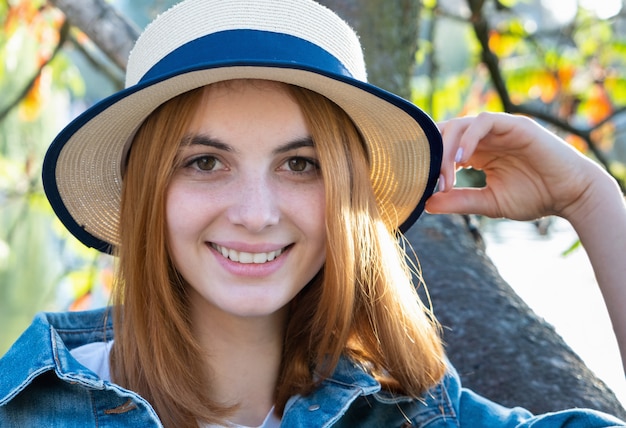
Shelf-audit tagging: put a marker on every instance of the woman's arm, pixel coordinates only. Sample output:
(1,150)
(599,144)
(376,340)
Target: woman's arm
(531,173)
(601,226)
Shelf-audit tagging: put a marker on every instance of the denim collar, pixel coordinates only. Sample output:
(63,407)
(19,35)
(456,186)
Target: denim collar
(45,346)
(327,403)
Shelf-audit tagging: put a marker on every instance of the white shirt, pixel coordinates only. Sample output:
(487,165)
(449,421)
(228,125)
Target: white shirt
(95,356)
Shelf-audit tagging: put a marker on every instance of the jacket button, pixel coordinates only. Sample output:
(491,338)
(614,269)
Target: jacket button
(314,407)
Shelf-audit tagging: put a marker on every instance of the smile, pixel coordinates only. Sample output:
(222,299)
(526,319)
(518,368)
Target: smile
(247,258)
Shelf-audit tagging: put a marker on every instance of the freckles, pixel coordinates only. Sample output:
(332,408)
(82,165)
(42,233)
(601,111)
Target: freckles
(179,206)
(189,203)
(308,204)
(299,196)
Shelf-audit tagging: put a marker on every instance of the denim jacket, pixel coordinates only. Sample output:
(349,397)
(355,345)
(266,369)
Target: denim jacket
(42,385)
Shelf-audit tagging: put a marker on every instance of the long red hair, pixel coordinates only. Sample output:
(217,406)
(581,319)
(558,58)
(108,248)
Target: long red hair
(362,304)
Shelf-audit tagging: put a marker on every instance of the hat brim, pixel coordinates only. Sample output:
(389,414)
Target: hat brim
(82,170)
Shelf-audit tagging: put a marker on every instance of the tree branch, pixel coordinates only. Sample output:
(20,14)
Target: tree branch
(63,34)
(113,74)
(490,60)
(109,30)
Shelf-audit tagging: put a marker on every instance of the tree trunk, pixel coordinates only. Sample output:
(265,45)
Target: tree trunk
(388,31)
(501,349)
(499,346)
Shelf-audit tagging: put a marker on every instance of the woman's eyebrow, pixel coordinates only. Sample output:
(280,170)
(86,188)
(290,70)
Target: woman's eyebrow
(205,140)
(293,145)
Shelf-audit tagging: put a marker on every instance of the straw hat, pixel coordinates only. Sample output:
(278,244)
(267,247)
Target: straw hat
(198,42)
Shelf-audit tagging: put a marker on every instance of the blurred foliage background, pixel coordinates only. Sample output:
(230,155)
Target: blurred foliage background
(559,61)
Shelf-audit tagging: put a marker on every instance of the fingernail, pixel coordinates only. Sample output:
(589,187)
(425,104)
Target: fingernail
(442,183)
(459,155)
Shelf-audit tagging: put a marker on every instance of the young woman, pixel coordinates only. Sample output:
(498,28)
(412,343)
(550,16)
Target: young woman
(252,186)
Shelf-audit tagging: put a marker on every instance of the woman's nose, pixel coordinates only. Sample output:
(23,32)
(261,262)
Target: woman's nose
(255,204)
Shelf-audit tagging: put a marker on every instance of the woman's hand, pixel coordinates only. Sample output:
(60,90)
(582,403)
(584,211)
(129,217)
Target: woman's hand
(530,172)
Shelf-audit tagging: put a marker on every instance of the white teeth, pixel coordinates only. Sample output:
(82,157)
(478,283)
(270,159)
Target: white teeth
(259,258)
(246,258)
(223,250)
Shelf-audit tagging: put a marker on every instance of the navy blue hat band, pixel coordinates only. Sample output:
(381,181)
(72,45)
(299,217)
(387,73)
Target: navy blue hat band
(231,46)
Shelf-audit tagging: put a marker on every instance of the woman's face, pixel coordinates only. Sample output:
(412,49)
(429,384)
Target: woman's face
(245,208)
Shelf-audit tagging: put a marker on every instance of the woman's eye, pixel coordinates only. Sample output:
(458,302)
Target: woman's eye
(298,164)
(205,163)
(301,164)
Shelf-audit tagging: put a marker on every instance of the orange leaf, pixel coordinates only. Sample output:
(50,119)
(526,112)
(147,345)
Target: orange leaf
(566,74)
(106,278)
(598,105)
(550,88)
(30,107)
(577,142)
(81,38)
(502,45)
(82,303)
(604,136)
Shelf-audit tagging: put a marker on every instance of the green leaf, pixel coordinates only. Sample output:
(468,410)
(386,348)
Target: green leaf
(508,3)
(577,244)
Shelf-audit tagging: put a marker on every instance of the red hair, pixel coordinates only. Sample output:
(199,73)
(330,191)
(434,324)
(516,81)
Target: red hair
(362,304)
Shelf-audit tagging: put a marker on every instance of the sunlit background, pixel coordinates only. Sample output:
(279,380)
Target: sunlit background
(43,268)
(564,11)
(560,288)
